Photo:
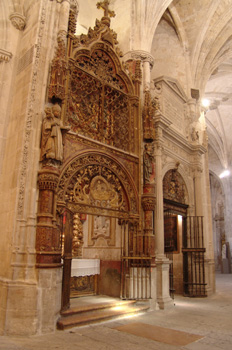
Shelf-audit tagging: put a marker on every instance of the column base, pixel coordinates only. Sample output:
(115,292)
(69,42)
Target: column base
(163,295)
(153,301)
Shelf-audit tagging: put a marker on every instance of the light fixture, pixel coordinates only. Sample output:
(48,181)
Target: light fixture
(224,174)
(205,102)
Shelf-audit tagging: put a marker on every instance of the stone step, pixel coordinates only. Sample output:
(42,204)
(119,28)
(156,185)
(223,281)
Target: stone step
(100,312)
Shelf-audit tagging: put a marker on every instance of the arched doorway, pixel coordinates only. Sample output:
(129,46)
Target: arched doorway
(98,200)
(175,209)
(184,239)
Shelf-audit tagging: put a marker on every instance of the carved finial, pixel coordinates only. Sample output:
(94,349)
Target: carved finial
(104,5)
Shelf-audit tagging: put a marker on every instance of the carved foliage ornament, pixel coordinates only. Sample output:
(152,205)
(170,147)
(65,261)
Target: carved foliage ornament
(96,181)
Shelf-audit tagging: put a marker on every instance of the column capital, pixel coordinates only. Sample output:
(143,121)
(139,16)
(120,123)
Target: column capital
(18,20)
(141,55)
(48,179)
(148,202)
(5,56)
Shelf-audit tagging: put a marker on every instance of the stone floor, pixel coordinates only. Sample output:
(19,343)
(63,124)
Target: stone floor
(202,324)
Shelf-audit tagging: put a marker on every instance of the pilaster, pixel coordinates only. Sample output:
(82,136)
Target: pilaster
(162,263)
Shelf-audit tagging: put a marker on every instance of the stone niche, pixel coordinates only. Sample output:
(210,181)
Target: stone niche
(172,100)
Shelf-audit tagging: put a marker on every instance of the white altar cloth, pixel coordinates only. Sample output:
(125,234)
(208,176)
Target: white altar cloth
(85,267)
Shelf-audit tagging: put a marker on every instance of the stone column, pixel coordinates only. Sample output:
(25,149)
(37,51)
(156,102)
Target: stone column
(148,204)
(198,191)
(147,60)
(162,262)
(48,250)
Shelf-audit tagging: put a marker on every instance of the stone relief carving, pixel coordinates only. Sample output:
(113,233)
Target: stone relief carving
(101,231)
(194,135)
(89,187)
(52,129)
(97,180)
(174,187)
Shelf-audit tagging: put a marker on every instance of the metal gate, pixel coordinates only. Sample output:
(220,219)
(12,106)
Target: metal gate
(136,266)
(193,257)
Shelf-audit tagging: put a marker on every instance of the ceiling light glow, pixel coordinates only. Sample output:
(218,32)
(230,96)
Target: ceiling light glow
(224,174)
(205,102)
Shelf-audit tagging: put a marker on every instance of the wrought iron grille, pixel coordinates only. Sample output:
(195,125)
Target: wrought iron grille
(193,257)
(136,267)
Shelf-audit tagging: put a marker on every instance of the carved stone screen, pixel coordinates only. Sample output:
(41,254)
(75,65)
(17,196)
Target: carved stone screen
(98,104)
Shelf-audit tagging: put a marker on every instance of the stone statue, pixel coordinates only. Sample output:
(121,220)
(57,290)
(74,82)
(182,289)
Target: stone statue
(52,143)
(224,255)
(147,162)
(194,135)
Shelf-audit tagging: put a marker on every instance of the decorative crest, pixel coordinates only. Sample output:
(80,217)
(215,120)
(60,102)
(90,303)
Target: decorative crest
(104,5)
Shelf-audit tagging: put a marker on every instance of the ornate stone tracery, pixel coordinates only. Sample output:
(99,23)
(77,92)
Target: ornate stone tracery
(99,106)
(96,181)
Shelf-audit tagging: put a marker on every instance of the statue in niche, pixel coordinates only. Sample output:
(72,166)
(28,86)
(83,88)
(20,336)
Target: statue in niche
(147,162)
(52,129)
(194,135)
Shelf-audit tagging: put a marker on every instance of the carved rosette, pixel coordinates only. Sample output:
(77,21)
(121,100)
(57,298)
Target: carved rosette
(18,20)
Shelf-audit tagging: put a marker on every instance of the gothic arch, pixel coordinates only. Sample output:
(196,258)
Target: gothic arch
(96,183)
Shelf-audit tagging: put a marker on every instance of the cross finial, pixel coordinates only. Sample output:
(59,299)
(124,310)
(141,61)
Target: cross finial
(104,5)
